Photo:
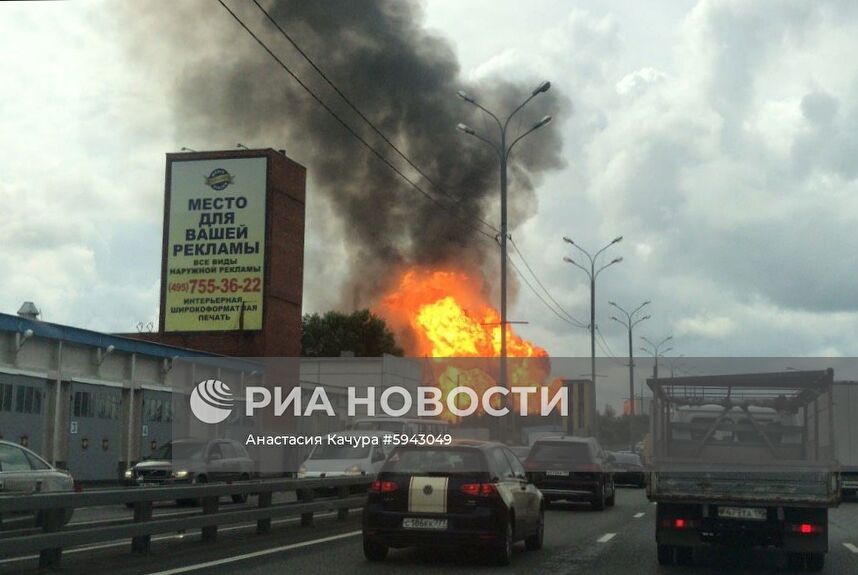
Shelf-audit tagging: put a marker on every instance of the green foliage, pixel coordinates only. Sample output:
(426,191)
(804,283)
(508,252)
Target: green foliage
(362,332)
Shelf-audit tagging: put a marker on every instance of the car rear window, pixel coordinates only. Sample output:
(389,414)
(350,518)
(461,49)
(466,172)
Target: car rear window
(425,460)
(561,451)
(340,452)
(629,458)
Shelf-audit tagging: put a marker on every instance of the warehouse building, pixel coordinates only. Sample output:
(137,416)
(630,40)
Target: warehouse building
(95,403)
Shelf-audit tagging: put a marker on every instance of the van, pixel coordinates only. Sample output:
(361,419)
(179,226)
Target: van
(332,460)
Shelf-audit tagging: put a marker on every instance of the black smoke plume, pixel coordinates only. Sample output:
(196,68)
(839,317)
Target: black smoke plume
(404,78)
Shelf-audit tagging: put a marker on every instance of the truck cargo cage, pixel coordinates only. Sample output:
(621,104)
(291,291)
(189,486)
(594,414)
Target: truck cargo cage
(775,419)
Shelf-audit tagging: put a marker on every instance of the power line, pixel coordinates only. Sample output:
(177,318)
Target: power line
(573,319)
(537,294)
(343,123)
(363,116)
(606,349)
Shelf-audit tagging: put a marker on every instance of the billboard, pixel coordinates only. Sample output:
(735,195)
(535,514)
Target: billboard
(215,244)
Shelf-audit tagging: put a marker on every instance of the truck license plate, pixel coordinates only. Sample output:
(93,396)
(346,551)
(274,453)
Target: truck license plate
(556,473)
(421,523)
(750,513)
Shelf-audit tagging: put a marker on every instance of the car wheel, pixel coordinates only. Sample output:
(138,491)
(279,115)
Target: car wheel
(684,556)
(795,561)
(534,542)
(241,497)
(665,555)
(815,561)
(502,554)
(599,501)
(374,550)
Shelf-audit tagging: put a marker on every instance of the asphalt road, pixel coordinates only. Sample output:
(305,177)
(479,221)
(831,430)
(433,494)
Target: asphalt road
(617,541)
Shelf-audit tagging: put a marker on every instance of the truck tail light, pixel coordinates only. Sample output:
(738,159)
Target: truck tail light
(806,528)
(679,523)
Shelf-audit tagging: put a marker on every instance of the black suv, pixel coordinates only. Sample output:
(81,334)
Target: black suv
(573,469)
(465,494)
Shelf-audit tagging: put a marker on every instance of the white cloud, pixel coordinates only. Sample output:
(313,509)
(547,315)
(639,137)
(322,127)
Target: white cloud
(705,326)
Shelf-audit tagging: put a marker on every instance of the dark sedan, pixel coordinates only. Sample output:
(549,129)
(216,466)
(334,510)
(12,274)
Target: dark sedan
(467,494)
(628,469)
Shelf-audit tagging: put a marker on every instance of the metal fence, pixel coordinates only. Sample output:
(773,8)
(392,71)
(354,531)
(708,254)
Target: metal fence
(55,536)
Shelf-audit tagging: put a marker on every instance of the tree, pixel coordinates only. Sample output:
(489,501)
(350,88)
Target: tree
(362,332)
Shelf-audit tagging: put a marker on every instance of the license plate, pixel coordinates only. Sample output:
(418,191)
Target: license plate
(556,473)
(750,513)
(421,523)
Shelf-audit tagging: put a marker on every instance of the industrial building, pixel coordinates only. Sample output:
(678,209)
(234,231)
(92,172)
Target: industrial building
(95,403)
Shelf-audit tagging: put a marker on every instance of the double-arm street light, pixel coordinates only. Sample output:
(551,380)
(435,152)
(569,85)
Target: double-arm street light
(656,351)
(592,273)
(503,147)
(629,322)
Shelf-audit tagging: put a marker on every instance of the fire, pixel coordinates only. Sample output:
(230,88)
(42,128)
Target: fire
(449,316)
(445,316)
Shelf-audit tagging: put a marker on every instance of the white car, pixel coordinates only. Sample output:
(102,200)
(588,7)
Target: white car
(22,472)
(332,460)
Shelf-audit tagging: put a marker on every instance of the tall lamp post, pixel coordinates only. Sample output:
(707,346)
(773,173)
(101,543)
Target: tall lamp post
(503,149)
(593,273)
(656,351)
(629,323)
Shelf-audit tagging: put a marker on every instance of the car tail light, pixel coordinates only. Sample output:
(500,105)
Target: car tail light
(383,486)
(479,489)
(806,528)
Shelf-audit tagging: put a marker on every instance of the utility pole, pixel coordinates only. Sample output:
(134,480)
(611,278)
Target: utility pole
(593,273)
(503,151)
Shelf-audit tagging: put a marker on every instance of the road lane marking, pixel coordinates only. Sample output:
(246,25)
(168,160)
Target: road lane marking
(639,515)
(606,537)
(851,547)
(157,538)
(255,554)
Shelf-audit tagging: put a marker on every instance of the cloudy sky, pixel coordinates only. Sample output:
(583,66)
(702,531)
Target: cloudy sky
(719,137)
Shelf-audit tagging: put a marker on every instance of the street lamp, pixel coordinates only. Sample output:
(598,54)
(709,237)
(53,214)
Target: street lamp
(593,273)
(629,323)
(503,150)
(656,352)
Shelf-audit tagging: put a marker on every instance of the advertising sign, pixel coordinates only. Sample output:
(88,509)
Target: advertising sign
(215,248)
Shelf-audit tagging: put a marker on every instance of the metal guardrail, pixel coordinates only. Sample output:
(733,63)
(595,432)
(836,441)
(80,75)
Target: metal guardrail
(55,536)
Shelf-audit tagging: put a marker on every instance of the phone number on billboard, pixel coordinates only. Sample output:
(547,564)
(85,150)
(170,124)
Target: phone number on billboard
(226,285)
(417,439)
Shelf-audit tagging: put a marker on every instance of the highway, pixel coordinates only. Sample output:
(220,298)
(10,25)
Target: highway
(577,540)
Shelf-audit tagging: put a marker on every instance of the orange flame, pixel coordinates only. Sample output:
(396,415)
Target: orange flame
(445,314)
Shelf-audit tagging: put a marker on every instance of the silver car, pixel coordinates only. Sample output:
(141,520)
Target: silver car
(22,472)
(196,461)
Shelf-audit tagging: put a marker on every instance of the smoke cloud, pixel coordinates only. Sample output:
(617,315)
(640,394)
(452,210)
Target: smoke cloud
(225,88)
